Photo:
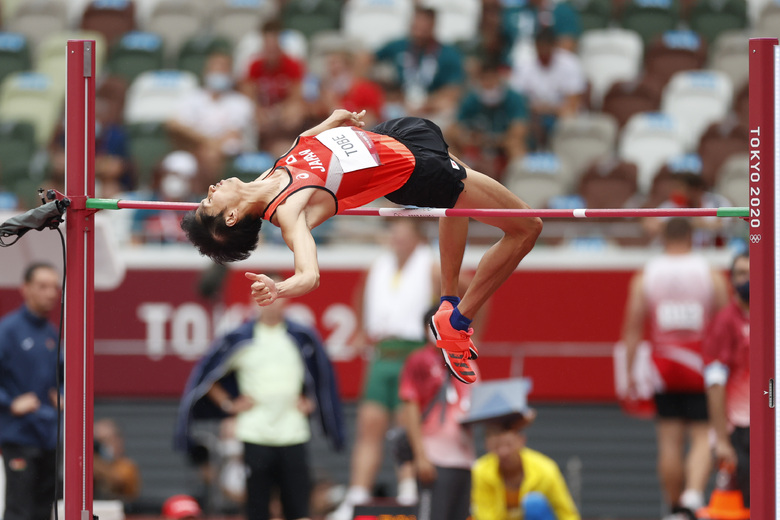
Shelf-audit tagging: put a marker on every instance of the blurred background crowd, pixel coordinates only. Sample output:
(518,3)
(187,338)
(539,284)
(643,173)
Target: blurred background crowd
(587,103)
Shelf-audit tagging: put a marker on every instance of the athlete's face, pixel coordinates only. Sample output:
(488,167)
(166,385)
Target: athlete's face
(222,197)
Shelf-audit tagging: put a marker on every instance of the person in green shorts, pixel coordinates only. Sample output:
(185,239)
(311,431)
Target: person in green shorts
(399,288)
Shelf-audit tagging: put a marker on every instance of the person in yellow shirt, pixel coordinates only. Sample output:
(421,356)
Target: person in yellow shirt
(514,482)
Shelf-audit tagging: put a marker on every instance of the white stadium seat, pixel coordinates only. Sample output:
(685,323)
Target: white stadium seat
(608,56)
(697,98)
(154,95)
(376,22)
(648,140)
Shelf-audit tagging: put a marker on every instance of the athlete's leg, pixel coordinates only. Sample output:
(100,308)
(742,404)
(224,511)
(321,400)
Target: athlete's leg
(453,232)
(698,462)
(520,234)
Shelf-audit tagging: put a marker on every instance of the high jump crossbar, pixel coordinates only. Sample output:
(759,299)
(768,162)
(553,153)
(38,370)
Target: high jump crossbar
(742,212)
(765,272)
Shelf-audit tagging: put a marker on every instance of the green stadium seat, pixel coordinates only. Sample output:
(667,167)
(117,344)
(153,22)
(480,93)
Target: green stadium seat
(594,14)
(14,54)
(17,143)
(136,52)
(710,18)
(650,18)
(50,58)
(312,16)
(149,143)
(194,52)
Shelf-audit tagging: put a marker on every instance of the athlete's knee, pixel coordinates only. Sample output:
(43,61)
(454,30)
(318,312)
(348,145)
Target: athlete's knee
(527,229)
(537,507)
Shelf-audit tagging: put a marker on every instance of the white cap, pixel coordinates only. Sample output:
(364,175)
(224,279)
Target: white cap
(181,162)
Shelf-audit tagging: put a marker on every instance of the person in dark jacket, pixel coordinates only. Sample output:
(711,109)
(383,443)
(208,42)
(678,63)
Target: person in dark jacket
(28,397)
(271,374)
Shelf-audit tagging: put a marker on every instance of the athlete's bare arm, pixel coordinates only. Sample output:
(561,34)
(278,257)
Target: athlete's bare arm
(339,117)
(633,325)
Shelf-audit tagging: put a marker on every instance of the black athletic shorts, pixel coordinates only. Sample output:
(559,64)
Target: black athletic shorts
(678,405)
(436,181)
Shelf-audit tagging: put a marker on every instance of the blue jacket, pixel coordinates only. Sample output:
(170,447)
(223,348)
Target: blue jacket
(28,363)
(320,382)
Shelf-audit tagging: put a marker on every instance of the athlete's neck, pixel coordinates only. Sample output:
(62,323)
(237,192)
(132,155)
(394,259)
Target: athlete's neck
(256,195)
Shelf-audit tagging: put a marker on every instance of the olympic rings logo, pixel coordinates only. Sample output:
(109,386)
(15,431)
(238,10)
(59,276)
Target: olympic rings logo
(755,239)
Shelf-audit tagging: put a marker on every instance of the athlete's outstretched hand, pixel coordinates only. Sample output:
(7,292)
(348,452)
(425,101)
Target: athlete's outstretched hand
(341,117)
(264,289)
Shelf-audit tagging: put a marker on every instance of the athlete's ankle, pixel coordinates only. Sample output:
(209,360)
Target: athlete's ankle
(459,321)
(454,300)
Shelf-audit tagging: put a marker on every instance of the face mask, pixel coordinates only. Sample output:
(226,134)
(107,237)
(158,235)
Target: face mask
(218,82)
(491,97)
(743,291)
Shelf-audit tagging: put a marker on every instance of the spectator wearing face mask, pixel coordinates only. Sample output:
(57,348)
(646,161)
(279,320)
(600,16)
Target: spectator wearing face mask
(492,123)
(215,122)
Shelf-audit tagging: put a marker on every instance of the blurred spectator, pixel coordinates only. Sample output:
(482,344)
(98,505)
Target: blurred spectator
(524,18)
(492,44)
(553,81)
(341,86)
(514,481)
(181,507)
(727,376)
(274,81)
(116,475)
(492,124)
(441,448)
(430,73)
(28,397)
(214,122)
(689,190)
(269,373)
(675,298)
(173,183)
(8,199)
(398,290)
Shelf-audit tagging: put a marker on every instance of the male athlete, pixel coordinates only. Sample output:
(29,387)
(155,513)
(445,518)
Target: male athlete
(336,166)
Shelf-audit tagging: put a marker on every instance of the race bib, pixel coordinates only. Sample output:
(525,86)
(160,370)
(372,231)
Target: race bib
(680,316)
(353,148)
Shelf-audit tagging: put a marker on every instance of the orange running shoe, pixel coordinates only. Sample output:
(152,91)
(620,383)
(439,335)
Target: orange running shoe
(456,345)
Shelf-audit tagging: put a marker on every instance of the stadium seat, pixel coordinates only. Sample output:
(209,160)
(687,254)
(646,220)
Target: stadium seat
(193,54)
(648,140)
(154,95)
(608,183)
(8,9)
(37,20)
(734,179)
(672,52)
(697,99)
(626,98)
(149,143)
(31,96)
(324,43)
(234,18)
(768,23)
(650,18)
(537,177)
(134,53)
(311,17)
(374,23)
(456,20)
(710,18)
(718,143)
(728,55)
(17,145)
(594,14)
(14,54)
(755,8)
(176,21)
(111,18)
(249,166)
(51,54)
(582,139)
(609,55)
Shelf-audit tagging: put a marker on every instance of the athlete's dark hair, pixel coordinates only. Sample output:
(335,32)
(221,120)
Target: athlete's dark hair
(29,273)
(677,229)
(220,242)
